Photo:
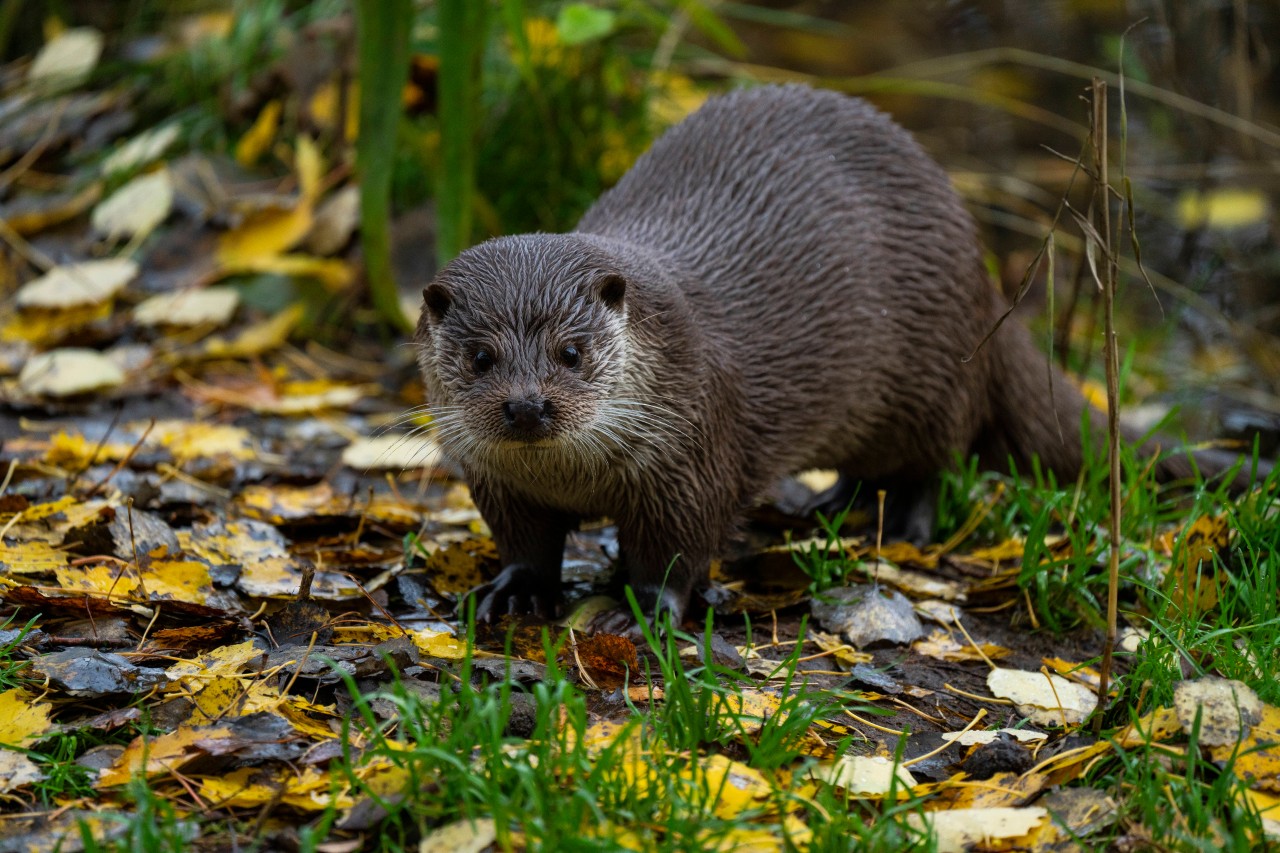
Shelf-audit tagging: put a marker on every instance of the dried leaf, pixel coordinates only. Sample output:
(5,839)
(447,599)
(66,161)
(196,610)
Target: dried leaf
(258,138)
(68,372)
(392,452)
(140,150)
(137,208)
(85,283)
(865,775)
(23,718)
(212,306)
(946,646)
(1227,710)
(957,830)
(66,61)
(1048,700)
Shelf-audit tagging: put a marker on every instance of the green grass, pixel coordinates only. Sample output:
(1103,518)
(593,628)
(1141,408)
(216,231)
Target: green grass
(1179,799)
(152,827)
(654,784)
(11,664)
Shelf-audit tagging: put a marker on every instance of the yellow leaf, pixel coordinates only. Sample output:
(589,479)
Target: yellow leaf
(259,137)
(22,718)
(245,787)
(220,697)
(190,440)
(1221,209)
(331,272)
(1160,724)
(48,327)
(73,450)
(50,522)
(153,756)
(736,786)
(31,215)
(181,580)
(310,166)
(116,581)
(438,644)
(945,646)
(263,235)
(30,558)
(224,661)
(258,338)
(1257,756)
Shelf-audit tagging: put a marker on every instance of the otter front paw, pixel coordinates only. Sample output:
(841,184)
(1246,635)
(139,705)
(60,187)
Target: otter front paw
(654,602)
(518,589)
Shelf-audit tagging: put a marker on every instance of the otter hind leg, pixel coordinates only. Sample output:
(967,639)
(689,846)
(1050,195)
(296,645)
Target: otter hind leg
(910,505)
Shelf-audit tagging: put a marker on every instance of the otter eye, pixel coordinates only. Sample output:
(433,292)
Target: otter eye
(570,357)
(482,362)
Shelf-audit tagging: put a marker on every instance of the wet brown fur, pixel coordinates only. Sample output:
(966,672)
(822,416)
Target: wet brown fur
(800,287)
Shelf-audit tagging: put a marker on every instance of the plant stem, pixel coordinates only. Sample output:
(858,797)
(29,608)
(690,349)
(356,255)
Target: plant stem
(383,43)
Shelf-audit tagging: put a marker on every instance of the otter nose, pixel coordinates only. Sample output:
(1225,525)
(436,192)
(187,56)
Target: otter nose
(526,415)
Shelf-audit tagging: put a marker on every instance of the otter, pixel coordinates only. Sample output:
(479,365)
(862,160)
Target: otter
(784,281)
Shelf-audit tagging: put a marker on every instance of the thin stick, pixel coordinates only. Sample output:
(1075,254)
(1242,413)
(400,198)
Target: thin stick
(1108,265)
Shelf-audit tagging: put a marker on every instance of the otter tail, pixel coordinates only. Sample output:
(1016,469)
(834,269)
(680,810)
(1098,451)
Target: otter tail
(1038,412)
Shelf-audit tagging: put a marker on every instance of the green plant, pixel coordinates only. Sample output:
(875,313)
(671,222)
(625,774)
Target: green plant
(11,666)
(152,827)
(824,560)
(1180,799)
(383,28)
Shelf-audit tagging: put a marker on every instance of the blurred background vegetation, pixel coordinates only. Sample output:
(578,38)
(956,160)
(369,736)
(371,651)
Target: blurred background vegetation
(499,116)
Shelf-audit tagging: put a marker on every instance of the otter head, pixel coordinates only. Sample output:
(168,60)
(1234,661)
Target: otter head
(521,340)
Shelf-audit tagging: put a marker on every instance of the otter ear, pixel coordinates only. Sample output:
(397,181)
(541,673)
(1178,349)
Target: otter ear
(612,289)
(437,300)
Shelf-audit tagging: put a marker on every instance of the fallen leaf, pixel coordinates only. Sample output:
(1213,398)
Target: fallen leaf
(212,306)
(1158,725)
(392,452)
(137,208)
(30,558)
(84,283)
(461,836)
(67,372)
(257,339)
(957,830)
(1048,700)
(867,614)
(90,673)
(973,737)
(66,60)
(31,214)
(865,775)
(946,646)
(17,771)
(141,149)
(23,718)
(335,222)
(1256,758)
(1226,709)
(258,138)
